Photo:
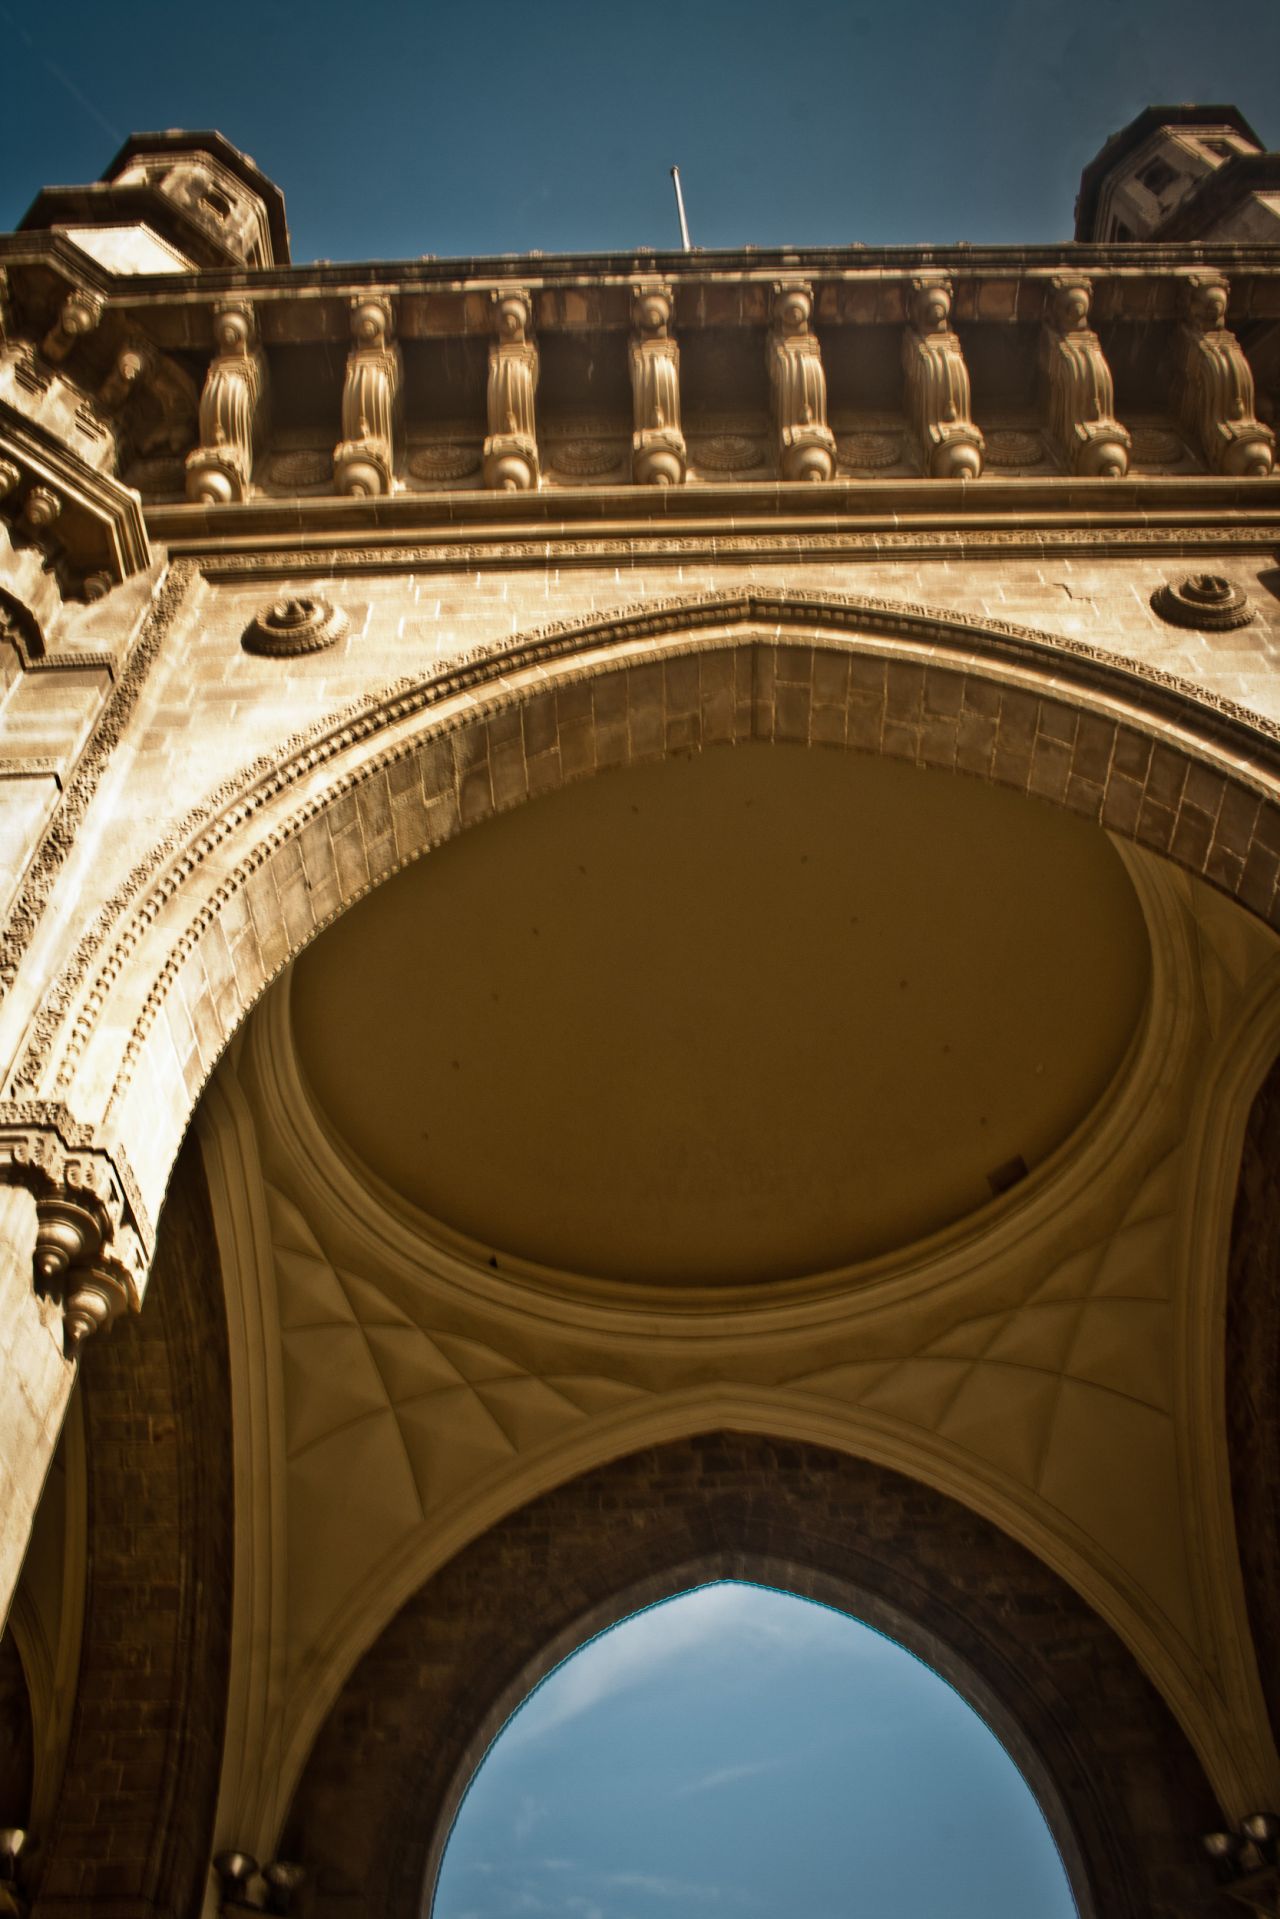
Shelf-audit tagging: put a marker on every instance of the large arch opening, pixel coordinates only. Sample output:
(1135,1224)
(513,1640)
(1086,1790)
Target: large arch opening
(740,1748)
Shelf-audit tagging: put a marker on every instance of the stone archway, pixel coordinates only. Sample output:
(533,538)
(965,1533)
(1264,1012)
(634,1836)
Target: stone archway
(1115,1776)
(153,993)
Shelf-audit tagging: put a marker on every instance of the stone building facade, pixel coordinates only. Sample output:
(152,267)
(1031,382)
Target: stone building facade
(478,1153)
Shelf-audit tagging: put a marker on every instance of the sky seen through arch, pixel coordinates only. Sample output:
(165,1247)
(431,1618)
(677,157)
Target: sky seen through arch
(737,1751)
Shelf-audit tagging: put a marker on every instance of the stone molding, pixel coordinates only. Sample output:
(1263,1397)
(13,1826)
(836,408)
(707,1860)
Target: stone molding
(1220,724)
(60,834)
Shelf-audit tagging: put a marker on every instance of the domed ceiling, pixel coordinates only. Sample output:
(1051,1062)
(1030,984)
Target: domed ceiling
(752,1015)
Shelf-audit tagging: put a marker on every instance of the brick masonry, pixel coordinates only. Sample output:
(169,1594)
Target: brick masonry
(1253,1379)
(1118,1779)
(135,1819)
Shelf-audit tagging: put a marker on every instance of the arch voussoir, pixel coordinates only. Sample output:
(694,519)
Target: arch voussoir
(286,855)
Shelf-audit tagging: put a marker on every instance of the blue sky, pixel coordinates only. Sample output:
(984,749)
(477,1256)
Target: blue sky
(741,1754)
(397,130)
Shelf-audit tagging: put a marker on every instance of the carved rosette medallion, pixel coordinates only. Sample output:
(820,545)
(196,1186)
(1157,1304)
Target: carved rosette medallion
(585,459)
(1157,446)
(448,461)
(727,453)
(1008,446)
(303,466)
(304,624)
(1205,601)
(870,451)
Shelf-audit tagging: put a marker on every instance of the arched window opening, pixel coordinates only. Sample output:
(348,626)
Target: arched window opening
(741,1751)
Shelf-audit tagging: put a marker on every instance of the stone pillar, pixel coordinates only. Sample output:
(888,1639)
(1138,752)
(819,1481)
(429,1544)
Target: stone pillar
(232,410)
(657,443)
(511,446)
(937,381)
(364,459)
(1217,384)
(35,1384)
(1090,439)
(806,444)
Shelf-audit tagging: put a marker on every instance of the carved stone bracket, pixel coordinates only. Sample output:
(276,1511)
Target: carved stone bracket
(155,399)
(806,444)
(364,459)
(658,456)
(232,409)
(511,445)
(79,314)
(88,1255)
(937,382)
(1217,384)
(1090,439)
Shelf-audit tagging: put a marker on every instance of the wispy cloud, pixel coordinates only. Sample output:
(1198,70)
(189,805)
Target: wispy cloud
(640,1647)
(730,1775)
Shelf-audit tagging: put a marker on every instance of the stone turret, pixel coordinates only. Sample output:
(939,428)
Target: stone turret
(1181,172)
(171,202)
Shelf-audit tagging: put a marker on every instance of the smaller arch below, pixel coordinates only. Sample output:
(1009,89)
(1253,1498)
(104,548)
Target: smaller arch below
(736,1741)
(1123,1792)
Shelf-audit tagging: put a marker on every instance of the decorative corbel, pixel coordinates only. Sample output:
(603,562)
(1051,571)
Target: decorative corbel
(1081,391)
(806,444)
(511,445)
(937,381)
(79,314)
(1217,384)
(657,444)
(364,459)
(232,409)
(86,1256)
(160,398)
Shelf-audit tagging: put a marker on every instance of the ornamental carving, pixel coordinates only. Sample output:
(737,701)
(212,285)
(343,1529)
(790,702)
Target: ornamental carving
(658,455)
(302,624)
(1082,419)
(79,314)
(87,1254)
(727,453)
(232,410)
(806,444)
(1217,384)
(585,459)
(869,451)
(372,403)
(511,445)
(1012,446)
(937,383)
(1157,446)
(448,461)
(306,466)
(1205,601)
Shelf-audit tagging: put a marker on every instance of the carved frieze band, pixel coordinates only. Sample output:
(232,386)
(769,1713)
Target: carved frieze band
(90,1254)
